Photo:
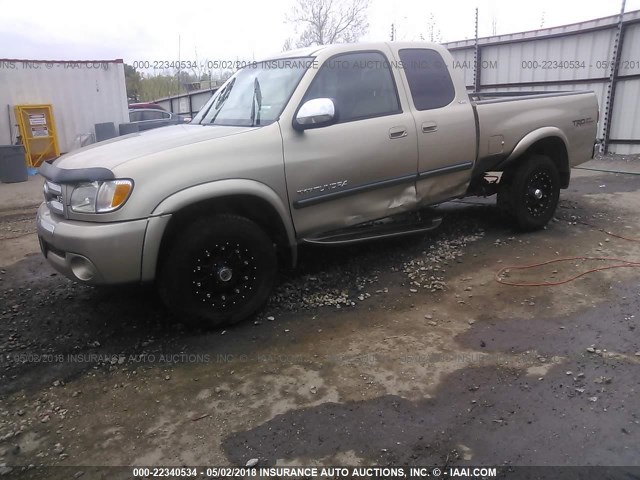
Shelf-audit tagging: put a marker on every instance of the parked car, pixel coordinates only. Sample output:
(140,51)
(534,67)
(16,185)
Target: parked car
(147,118)
(327,145)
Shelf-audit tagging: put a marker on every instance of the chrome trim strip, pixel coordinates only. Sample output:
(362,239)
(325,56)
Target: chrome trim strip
(53,188)
(390,182)
(444,170)
(56,207)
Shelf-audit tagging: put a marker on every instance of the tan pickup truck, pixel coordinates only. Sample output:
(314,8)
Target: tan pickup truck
(326,145)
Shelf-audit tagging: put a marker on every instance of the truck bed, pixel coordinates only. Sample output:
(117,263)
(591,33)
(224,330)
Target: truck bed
(505,119)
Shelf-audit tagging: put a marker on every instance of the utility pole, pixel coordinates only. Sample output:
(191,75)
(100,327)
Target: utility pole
(476,59)
(613,76)
(178,74)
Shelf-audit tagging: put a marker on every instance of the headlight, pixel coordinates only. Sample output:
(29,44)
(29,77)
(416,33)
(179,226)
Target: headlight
(100,197)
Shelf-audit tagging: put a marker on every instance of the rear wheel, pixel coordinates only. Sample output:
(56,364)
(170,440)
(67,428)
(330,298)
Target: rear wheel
(530,192)
(219,270)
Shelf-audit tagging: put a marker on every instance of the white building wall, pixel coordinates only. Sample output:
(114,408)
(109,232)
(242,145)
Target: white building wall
(82,94)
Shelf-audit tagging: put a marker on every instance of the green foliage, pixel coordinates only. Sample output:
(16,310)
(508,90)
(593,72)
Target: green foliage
(132,81)
(148,87)
(159,86)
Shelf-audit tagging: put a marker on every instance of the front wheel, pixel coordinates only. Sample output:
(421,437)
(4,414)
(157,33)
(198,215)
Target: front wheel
(219,270)
(531,192)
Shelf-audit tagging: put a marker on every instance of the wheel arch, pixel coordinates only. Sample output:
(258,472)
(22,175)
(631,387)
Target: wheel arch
(548,141)
(251,199)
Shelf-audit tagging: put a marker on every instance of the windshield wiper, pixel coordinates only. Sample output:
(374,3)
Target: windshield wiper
(220,102)
(257,98)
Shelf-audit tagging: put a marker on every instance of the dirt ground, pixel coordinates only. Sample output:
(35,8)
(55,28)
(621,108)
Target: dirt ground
(404,352)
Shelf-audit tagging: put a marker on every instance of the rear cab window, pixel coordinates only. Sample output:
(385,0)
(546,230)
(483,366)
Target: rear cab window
(428,77)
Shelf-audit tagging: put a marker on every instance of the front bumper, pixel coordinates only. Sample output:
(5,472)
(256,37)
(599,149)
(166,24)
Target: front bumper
(92,253)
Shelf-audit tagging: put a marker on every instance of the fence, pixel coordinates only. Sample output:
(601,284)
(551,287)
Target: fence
(187,103)
(602,55)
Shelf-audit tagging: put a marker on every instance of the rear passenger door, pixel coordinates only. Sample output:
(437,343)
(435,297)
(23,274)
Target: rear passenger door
(445,125)
(361,168)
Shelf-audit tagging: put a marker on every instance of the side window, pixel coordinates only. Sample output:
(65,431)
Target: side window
(428,77)
(135,116)
(152,115)
(360,84)
(166,115)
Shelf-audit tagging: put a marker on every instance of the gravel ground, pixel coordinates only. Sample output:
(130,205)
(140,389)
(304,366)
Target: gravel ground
(17,225)
(45,314)
(397,352)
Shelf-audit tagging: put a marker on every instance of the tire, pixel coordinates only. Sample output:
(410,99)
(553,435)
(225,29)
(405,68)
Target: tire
(218,271)
(531,193)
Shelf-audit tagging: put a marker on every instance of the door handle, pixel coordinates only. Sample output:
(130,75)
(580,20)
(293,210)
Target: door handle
(428,127)
(397,132)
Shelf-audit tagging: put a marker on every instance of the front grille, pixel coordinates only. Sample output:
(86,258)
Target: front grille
(53,197)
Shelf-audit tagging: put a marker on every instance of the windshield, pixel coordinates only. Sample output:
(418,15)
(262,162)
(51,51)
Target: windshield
(256,95)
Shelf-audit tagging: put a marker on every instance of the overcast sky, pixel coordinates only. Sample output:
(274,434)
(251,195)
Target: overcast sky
(247,29)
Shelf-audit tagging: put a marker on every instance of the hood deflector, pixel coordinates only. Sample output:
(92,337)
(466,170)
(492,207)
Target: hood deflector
(64,175)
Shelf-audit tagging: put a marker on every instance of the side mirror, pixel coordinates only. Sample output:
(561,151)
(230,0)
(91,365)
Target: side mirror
(315,113)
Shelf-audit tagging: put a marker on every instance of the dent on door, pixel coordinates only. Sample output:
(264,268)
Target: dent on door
(340,204)
(399,202)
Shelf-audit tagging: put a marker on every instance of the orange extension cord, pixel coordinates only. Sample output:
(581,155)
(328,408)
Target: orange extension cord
(621,263)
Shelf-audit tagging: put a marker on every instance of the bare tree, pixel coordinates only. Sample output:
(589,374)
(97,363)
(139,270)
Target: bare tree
(433,32)
(329,21)
(199,69)
(287,45)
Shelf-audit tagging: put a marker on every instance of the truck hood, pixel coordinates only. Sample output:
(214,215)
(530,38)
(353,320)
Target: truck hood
(111,153)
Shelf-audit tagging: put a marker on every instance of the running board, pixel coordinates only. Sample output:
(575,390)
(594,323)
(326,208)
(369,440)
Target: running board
(374,232)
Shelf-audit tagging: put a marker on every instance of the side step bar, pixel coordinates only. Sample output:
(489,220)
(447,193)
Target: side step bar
(375,231)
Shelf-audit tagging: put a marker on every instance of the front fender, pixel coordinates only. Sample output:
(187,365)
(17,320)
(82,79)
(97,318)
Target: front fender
(161,214)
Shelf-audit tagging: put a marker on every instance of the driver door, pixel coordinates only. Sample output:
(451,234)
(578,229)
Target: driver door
(364,165)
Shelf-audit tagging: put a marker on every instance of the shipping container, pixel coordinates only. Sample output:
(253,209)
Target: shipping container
(82,93)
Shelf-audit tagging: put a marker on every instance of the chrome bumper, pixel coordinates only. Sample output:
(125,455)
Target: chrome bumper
(92,253)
